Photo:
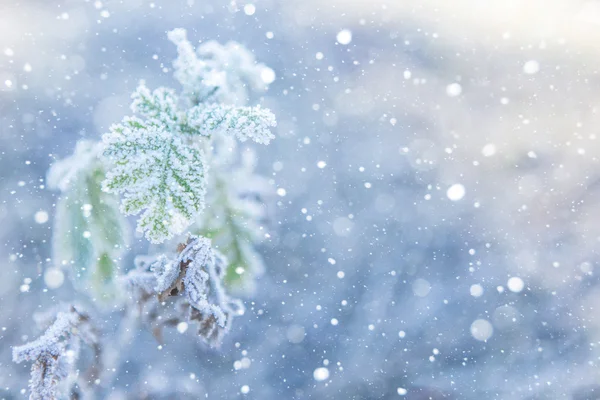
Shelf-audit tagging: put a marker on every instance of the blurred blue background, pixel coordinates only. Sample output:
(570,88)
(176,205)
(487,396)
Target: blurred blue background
(435,219)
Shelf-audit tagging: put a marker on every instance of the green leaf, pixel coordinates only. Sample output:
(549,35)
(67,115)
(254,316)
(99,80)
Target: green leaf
(159,173)
(233,224)
(71,247)
(88,224)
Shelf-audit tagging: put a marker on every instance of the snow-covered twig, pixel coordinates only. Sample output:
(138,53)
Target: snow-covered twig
(55,353)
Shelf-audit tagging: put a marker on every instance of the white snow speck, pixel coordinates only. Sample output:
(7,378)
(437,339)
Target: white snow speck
(41,217)
(249,9)
(481,329)
(281,192)
(320,374)
(344,37)
(267,75)
(515,284)
(421,287)
(402,391)
(488,150)
(531,67)
(476,290)
(454,89)
(321,164)
(182,327)
(342,226)
(245,389)
(295,334)
(456,192)
(54,278)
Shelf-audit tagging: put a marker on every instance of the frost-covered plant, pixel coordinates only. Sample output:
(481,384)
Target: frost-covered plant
(159,161)
(159,166)
(175,162)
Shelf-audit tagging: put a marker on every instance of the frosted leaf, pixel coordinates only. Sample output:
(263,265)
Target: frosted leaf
(139,280)
(211,306)
(212,322)
(159,173)
(216,72)
(63,173)
(140,283)
(159,105)
(196,257)
(166,272)
(196,76)
(253,123)
(193,280)
(237,67)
